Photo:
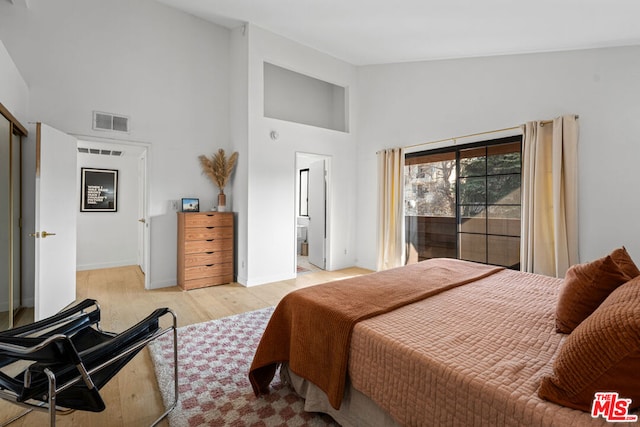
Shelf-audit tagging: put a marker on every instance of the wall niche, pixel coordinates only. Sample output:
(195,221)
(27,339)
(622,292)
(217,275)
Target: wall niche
(299,98)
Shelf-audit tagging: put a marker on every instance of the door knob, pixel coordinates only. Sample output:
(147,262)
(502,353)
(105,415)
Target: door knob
(142,220)
(44,234)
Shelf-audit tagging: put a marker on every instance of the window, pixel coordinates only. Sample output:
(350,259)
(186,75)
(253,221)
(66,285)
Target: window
(299,98)
(465,203)
(304,193)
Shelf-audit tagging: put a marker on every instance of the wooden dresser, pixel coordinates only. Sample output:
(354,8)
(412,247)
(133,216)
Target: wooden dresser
(205,249)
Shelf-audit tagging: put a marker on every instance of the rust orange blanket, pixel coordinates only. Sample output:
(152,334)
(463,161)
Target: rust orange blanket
(311,327)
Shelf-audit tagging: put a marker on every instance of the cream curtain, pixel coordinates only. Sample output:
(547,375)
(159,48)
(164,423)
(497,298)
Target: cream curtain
(549,239)
(391,252)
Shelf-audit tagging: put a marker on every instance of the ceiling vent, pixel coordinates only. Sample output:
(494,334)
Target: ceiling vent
(100,151)
(110,122)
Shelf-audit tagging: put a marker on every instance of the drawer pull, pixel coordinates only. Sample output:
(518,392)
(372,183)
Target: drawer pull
(210,240)
(210,265)
(209,253)
(209,228)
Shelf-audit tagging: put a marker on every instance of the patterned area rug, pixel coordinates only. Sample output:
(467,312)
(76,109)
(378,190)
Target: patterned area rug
(213,364)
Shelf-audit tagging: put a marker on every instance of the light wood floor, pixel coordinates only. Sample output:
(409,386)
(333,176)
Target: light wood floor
(132,397)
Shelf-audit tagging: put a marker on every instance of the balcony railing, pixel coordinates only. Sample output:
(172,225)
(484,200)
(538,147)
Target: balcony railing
(436,237)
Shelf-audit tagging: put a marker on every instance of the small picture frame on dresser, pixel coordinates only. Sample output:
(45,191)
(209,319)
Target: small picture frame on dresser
(190,205)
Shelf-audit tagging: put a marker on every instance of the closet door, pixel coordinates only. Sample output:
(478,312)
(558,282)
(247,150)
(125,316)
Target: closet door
(5,224)
(16,215)
(11,132)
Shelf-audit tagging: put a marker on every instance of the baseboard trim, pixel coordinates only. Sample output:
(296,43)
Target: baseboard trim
(99,266)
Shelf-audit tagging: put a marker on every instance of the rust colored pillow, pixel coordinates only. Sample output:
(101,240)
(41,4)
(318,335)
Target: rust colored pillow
(585,287)
(601,354)
(624,261)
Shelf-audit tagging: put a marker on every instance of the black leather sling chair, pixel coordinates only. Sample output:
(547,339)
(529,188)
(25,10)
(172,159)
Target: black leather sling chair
(69,359)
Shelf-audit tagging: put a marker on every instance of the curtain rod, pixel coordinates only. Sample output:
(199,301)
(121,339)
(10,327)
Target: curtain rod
(454,139)
(546,122)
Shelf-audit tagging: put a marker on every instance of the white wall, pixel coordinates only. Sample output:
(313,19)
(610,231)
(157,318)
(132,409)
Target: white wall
(404,104)
(167,70)
(14,92)
(110,239)
(270,214)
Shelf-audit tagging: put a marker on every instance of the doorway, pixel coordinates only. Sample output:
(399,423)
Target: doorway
(311,215)
(115,239)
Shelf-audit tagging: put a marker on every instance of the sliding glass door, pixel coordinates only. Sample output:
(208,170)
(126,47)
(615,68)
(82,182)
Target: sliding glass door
(464,202)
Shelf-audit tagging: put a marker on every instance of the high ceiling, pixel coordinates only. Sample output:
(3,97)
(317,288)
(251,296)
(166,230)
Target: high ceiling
(385,31)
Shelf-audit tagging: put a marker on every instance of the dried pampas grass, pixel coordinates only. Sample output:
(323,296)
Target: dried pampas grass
(218,168)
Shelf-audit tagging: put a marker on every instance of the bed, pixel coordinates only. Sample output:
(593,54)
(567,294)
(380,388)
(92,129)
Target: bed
(441,342)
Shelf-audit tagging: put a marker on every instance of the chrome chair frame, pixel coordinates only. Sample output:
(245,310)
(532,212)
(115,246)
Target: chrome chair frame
(48,330)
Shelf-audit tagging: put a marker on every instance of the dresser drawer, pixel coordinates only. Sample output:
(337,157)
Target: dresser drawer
(208,233)
(204,282)
(199,246)
(203,271)
(208,258)
(209,219)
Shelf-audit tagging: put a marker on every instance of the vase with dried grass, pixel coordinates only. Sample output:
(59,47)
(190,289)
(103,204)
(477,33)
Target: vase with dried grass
(218,168)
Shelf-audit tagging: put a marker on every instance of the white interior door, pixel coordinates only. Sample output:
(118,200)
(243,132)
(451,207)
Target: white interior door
(316,233)
(55,221)
(143,223)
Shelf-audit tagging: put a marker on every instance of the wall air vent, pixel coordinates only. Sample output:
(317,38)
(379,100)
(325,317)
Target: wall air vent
(100,151)
(110,122)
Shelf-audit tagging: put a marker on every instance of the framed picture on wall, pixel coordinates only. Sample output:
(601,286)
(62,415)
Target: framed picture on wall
(98,190)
